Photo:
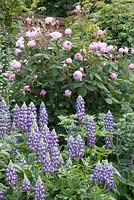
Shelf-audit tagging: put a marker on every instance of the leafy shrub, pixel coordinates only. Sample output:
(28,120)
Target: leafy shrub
(116,17)
(57,8)
(10,10)
(58,67)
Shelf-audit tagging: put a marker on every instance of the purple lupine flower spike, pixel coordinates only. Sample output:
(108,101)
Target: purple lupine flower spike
(32,109)
(45,130)
(103,175)
(56,158)
(2,197)
(75,147)
(26,185)
(43,116)
(23,118)
(79,147)
(50,138)
(31,120)
(109,126)
(39,190)
(15,114)
(41,151)
(5,119)
(11,175)
(80,108)
(98,174)
(34,137)
(110,183)
(48,164)
(70,147)
(91,133)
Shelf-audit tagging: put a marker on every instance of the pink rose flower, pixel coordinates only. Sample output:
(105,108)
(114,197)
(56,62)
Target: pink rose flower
(50,20)
(68,31)
(110,48)
(6,74)
(28,20)
(67,93)
(69,61)
(12,77)
(78,57)
(43,92)
(103,50)
(100,33)
(15,65)
(20,43)
(111,56)
(77,75)
(34,34)
(35,77)
(55,35)
(67,45)
(26,88)
(132,51)
(121,50)
(126,50)
(17,51)
(131,66)
(78,8)
(31,43)
(65,65)
(113,76)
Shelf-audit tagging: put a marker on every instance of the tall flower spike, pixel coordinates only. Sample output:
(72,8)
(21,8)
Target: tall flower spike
(103,175)
(48,165)
(56,158)
(91,133)
(2,195)
(11,175)
(110,183)
(34,138)
(80,108)
(43,116)
(31,120)
(26,185)
(5,119)
(50,138)
(23,118)
(41,151)
(109,126)
(32,109)
(15,116)
(98,174)
(39,190)
(75,147)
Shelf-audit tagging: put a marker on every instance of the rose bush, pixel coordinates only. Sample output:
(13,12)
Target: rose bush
(81,62)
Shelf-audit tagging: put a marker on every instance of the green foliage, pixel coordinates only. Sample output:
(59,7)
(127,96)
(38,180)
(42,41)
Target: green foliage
(43,68)
(116,17)
(57,8)
(123,152)
(10,10)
